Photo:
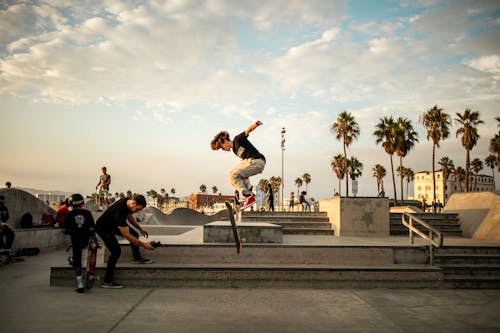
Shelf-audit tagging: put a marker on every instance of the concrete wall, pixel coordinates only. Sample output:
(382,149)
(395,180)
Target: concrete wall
(479,214)
(357,216)
(42,238)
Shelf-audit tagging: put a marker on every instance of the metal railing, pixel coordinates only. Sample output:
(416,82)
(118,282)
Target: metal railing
(434,236)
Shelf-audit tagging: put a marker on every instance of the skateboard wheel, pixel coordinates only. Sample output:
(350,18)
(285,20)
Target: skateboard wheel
(243,240)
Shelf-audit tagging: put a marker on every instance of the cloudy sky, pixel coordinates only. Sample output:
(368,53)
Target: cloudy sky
(143,86)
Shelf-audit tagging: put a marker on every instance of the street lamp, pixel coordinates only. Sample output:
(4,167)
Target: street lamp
(282,165)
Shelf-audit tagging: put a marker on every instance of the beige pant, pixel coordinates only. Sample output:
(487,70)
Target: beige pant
(240,175)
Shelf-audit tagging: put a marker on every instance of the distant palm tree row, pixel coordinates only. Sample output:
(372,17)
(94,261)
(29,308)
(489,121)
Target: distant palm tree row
(398,136)
(161,197)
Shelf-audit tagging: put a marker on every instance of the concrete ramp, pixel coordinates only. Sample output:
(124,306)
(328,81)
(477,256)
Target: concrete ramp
(20,202)
(179,216)
(479,214)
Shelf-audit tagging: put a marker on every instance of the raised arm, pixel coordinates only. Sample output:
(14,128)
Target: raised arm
(252,127)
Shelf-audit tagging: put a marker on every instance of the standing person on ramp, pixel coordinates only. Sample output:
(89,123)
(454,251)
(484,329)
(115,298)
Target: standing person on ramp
(103,187)
(253,162)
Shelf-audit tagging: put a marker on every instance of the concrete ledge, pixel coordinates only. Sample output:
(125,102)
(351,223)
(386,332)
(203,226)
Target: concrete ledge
(221,232)
(271,254)
(358,216)
(42,238)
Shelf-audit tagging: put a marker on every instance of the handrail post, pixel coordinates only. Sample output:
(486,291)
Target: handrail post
(431,248)
(411,230)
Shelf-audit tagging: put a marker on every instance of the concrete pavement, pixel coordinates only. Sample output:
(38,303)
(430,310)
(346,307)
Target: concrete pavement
(28,304)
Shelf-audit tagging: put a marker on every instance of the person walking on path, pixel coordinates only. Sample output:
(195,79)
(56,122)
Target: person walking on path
(306,205)
(270,198)
(292,201)
(5,230)
(253,162)
(112,223)
(103,188)
(79,224)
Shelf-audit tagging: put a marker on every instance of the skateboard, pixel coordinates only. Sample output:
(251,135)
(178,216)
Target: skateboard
(90,276)
(236,233)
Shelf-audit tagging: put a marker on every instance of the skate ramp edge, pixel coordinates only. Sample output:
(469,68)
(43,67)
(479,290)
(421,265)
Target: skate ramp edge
(479,214)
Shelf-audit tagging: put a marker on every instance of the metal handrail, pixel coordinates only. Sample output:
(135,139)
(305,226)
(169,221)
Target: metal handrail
(435,237)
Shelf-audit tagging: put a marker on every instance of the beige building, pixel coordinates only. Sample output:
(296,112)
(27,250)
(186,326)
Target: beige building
(423,186)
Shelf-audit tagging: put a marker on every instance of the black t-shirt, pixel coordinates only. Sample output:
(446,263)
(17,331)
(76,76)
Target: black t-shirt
(115,216)
(244,149)
(79,223)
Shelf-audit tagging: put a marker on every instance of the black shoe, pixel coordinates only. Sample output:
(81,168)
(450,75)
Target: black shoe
(80,290)
(142,261)
(111,285)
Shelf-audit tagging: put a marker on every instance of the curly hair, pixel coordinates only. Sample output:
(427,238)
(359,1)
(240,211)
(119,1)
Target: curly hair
(219,139)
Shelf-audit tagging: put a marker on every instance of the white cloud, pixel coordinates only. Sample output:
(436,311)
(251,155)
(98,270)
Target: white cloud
(489,64)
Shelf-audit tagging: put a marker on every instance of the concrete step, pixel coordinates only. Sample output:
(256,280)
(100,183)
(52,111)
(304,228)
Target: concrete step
(308,231)
(320,225)
(471,259)
(440,223)
(450,249)
(285,219)
(264,276)
(406,233)
(471,282)
(427,216)
(471,270)
(285,214)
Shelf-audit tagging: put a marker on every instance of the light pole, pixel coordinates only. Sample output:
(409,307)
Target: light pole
(282,165)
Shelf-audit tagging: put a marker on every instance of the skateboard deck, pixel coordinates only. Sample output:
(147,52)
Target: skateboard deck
(236,233)
(90,276)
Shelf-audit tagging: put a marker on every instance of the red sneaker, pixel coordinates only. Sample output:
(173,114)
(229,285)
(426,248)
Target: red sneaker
(250,200)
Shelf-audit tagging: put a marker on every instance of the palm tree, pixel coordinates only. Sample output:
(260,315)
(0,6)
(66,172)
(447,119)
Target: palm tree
(203,188)
(172,190)
(495,145)
(338,166)
(129,194)
(306,178)
(263,183)
(153,194)
(490,162)
(298,182)
(385,133)
(379,173)
(459,174)
(447,167)
(215,189)
(437,123)
(346,129)
(495,148)
(409,176)
(468,122)
(405,141)
(476,167)
(275,183)
(355,168)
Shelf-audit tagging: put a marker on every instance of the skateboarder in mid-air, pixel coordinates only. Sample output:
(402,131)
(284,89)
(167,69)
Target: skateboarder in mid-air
(79,224)
(253,162)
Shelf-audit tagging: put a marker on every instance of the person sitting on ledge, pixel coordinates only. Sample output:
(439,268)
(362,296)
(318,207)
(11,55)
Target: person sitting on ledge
(5,230)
